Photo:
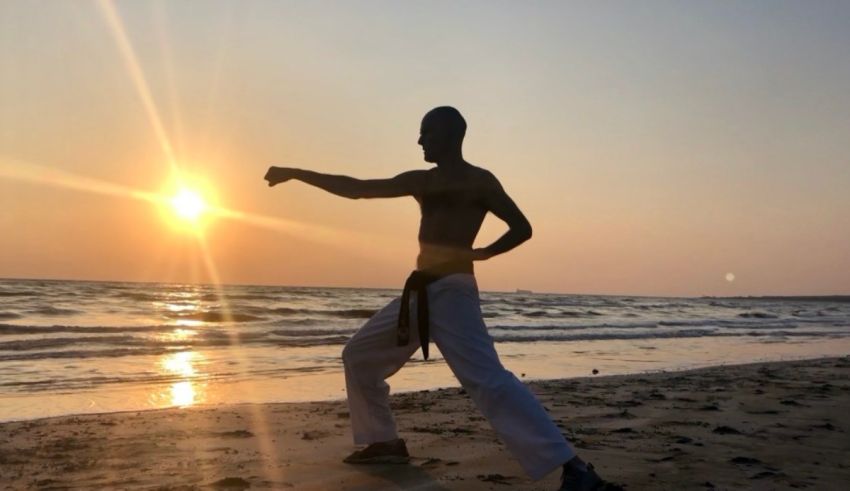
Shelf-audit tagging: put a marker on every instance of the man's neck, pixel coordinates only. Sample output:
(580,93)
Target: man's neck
(453,163)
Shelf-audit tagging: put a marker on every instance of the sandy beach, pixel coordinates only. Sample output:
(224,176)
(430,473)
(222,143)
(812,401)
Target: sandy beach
(765,426)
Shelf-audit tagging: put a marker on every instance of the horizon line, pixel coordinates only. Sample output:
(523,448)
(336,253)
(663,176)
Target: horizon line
(813,297)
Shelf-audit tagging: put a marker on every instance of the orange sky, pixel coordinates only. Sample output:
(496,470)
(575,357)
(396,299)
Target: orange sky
(654,147)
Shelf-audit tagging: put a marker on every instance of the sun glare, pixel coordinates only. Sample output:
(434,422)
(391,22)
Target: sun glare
(188,204)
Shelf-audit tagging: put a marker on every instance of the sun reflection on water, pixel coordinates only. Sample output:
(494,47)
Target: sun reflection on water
(182,394)
(180,363)
(186,391)
(188,323)
(178,334)
(180,307)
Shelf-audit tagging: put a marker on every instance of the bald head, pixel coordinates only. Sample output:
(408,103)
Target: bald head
(450,119)
(442,132)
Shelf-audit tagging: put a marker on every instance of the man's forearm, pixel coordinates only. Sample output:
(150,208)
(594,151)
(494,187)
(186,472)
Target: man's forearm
(345,186)
(511,239)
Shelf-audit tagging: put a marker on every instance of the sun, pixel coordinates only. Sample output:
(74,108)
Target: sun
(188,204)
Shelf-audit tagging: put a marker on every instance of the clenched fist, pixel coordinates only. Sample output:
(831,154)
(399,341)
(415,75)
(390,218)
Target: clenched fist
(277,175)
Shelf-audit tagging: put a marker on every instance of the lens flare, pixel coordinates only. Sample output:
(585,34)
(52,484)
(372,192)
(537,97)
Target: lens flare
(188,204)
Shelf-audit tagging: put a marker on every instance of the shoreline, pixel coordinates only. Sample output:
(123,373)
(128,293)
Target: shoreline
(394,393)
(416,376)
(728,426)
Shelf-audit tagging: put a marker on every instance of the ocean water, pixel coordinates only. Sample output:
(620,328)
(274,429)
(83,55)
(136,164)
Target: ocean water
(74,347)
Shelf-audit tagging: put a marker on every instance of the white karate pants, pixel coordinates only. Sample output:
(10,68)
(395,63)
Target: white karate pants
(372,355)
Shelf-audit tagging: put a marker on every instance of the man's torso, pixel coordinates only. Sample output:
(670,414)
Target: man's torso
(453,207)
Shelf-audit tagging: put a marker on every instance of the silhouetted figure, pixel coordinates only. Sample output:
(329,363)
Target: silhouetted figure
(454,198)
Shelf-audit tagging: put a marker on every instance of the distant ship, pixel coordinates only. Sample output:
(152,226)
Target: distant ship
(524,292)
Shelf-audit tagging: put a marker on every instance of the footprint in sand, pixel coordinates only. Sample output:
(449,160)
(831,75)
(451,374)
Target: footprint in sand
(231,483)
(314,434)
(745,460)
(495,478)
(726,430)
(234,434)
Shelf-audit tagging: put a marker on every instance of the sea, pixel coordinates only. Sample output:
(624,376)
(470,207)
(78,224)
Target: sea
(73,347)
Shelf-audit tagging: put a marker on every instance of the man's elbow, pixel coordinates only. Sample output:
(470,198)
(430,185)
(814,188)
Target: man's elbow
(354,189)
(347,194)
(524,231)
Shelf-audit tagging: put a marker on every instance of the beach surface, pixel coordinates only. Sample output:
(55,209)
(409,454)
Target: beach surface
(781,425)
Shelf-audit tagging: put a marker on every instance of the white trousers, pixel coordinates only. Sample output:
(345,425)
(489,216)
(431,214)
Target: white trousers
(372,355)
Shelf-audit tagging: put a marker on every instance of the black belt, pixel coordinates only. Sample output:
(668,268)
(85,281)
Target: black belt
(418,282)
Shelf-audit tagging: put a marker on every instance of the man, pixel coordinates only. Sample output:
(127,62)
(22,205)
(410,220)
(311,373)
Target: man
(454,198)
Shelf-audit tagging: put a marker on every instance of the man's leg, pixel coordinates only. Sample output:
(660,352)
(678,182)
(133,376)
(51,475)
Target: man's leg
(517,416)
(371,356)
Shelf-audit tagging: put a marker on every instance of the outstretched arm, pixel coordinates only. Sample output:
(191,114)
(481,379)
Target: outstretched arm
(519,229)
(405,184)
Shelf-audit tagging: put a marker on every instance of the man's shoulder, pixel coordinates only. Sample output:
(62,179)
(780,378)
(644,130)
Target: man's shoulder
(416,178)
(474,179)
(414,174)
(484,177)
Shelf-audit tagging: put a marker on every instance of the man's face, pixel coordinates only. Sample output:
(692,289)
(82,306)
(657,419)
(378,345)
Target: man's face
(434,139)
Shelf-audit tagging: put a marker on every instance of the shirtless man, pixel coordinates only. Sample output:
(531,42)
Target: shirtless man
(454,198)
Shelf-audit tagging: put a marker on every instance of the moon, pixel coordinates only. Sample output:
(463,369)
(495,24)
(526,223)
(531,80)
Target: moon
(730,277)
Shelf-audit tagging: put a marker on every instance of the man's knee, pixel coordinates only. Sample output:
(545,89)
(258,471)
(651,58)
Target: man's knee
(352,353)
(348,354)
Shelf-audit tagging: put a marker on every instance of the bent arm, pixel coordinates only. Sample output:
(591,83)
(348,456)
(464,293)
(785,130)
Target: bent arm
(404,184)
(519,229)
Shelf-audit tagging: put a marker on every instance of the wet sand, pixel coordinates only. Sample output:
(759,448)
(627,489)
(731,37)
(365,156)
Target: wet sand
(783,425)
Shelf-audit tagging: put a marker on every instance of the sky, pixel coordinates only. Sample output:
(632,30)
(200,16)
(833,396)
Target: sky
(658,148)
